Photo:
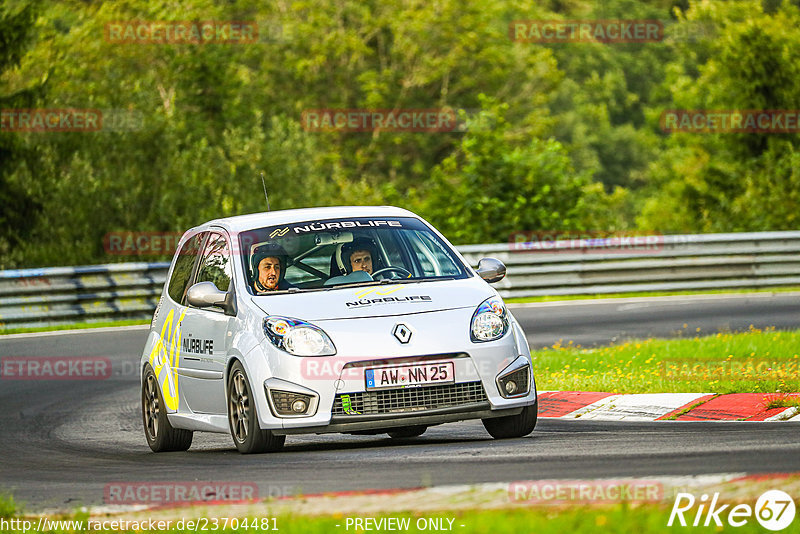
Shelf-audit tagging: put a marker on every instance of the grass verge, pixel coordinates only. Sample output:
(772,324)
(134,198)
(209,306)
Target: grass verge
(764,361)
(783,401)
(73,326)
(595,296)
(567,506)
(7,506)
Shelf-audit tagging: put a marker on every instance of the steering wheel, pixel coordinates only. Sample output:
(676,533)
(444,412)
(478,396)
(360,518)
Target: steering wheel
(404,273)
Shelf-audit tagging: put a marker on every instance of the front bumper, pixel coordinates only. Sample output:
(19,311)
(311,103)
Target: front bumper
(475,393)
(348,406)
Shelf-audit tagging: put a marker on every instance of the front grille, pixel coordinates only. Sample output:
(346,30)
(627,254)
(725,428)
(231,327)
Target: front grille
(406,400)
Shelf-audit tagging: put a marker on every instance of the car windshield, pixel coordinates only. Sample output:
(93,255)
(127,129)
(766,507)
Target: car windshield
(317,255)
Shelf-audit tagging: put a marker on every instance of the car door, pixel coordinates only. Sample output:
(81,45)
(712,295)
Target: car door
(167,319)
(206,333)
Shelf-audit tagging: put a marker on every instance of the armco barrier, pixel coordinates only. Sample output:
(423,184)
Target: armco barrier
(667,263)
(62,295)
(65,295)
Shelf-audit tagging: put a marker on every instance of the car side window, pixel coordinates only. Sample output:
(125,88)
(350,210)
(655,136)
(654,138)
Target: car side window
(215,265)
(184,264)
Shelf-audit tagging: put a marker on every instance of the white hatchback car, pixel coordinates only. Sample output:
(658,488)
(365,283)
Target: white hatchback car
(361,320)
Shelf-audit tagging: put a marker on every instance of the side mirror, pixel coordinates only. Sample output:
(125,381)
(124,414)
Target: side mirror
(491,269)
(205,294)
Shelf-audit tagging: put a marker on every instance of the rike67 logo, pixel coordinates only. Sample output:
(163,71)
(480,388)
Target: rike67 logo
(774,510)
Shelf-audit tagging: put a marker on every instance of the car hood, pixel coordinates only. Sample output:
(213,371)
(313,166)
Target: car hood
(377,300)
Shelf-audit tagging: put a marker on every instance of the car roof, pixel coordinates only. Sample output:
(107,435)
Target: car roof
(242,223)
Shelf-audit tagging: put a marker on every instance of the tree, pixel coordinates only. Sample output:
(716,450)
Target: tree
(717,181)
(497,184)
(19,207)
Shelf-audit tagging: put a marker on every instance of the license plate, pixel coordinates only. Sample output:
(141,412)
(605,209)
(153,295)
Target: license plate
(410,375)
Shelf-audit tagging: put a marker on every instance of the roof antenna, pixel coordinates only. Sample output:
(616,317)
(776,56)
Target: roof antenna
(264,183)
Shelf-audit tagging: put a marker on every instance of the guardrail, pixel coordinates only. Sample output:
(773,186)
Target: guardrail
(62,295)
(645,263)
(65,295)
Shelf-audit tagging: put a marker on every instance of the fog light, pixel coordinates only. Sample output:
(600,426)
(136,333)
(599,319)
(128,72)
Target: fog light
(288,403)
(299,406)
(515,383)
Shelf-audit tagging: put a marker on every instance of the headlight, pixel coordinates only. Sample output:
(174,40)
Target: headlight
(490,321)
(298,337)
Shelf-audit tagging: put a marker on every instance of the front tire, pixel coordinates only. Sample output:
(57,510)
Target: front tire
(407,431)
(513,426)
(160,434)
(248,437)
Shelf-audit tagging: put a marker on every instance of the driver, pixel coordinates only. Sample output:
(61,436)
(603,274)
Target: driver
(269,268)
(361,260)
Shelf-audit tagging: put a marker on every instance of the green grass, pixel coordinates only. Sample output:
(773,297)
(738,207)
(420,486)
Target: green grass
(73,326)
(593,296)
(7,505)
(620,518)
(762,361)
(783,401)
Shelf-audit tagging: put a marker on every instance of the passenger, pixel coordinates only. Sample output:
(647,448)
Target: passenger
(358,255)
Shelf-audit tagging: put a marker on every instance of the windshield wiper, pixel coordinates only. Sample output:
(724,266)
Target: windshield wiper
(354,284)
(385,281)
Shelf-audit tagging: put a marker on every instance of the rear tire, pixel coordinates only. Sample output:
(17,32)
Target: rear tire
(160,434)
(248,437)
(407,431)
(513,426)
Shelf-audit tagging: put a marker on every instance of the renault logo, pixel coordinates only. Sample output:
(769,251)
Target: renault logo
(402,333)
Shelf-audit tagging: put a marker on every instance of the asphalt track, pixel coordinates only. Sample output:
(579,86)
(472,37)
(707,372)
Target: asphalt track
(62,442)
